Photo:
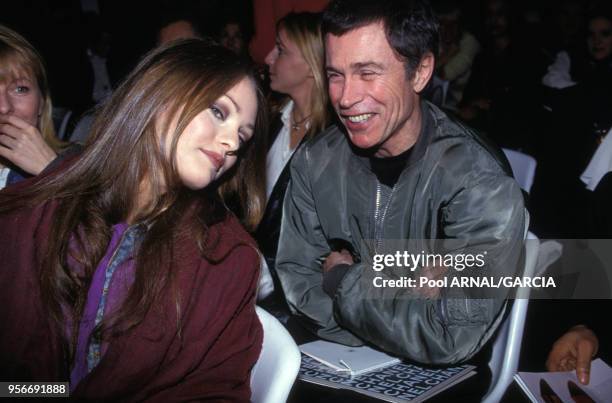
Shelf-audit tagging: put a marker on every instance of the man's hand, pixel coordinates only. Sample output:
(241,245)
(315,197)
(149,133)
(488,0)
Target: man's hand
(335,258)
(432,273)
(574,350)
(23,145)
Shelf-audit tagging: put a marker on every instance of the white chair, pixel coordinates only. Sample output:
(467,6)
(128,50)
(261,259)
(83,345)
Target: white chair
(278,364)
(523,168)
(507,345)
(61,117)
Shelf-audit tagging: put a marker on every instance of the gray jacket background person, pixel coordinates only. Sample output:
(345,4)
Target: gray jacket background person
(398,169)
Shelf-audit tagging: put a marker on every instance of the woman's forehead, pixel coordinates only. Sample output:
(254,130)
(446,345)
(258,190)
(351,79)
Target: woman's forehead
(13,69)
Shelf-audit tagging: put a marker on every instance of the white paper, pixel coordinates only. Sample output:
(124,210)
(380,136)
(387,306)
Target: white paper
(599,387)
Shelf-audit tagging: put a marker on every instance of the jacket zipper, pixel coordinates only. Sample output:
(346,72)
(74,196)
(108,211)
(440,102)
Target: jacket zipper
(378,228)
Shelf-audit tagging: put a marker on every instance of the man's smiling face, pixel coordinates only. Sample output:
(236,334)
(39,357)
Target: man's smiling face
(370,90)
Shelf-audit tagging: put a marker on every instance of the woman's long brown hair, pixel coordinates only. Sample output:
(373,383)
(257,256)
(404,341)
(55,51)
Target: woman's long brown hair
(101,187)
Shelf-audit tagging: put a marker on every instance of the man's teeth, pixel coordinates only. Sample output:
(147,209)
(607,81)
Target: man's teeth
(360,118)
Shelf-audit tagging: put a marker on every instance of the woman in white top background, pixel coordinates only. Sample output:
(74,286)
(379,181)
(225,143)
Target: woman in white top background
(296,66)
(573,65)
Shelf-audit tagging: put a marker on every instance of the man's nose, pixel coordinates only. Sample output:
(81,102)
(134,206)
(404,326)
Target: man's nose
(597,39)
(6,106)
(351,94)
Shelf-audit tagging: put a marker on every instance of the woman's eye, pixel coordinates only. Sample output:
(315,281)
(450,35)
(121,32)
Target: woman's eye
(217,112)
(242,140)
(22,89)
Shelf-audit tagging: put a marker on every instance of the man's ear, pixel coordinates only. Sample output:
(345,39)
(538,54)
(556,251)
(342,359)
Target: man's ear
(423,72)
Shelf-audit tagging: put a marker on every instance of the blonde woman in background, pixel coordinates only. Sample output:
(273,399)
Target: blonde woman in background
(297,71)
(27,137)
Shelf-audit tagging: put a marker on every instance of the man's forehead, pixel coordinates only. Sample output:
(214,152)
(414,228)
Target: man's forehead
(358,35)
(363,45)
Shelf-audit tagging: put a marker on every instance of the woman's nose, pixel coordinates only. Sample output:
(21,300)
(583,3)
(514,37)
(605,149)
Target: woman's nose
(6,106)
(229,139)
(270,57)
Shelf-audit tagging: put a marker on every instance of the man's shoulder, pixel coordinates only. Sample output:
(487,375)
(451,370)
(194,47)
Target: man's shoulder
(456,144)
(332,138)
(323,148)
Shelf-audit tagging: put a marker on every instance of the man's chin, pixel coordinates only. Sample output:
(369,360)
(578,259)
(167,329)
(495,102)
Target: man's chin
(363,141)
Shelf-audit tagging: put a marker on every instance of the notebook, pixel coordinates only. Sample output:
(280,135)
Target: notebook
(397,383)
(351,360)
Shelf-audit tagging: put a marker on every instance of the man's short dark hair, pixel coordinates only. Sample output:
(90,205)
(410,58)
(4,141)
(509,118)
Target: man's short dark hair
(411,26)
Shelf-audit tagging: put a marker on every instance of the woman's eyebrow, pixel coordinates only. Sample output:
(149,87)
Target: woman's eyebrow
(234,102)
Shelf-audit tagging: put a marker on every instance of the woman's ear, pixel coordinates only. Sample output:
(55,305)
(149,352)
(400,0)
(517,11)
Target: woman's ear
(423,72)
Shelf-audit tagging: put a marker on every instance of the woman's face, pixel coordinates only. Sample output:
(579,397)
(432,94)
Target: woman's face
(208,146)
(288,69)
(600,38)
(20,96)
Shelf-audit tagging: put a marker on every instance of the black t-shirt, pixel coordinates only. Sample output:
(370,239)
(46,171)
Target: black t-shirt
(388,170)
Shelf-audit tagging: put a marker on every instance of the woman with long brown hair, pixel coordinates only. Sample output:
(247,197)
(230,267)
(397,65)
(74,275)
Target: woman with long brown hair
(27,137)
(123,270)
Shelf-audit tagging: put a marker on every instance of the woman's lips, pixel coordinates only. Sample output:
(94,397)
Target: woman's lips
(216,158)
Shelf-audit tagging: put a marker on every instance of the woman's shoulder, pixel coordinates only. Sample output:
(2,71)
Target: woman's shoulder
(229,237)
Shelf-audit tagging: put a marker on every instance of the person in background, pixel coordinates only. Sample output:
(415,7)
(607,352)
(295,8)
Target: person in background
(98,48)
(27,137)
(176,28)
(578,119)
(296,65)
(574,350)
(266,14)
(140,283)
(233,36)
(458,48)
(574,65)
(502,96)
(172,28)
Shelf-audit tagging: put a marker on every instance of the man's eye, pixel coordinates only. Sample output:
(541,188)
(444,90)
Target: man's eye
(367,74)
(217,112)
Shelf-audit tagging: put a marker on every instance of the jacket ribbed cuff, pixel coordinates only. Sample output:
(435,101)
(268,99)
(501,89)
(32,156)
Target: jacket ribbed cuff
(333,277)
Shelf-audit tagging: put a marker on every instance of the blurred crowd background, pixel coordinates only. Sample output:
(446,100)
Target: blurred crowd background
(535,76)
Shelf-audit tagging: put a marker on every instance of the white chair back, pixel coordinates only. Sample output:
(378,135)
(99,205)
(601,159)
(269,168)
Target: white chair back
(507,345)
(278,364)
(523,168)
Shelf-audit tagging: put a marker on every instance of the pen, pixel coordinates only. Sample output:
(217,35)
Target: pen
(346,365)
